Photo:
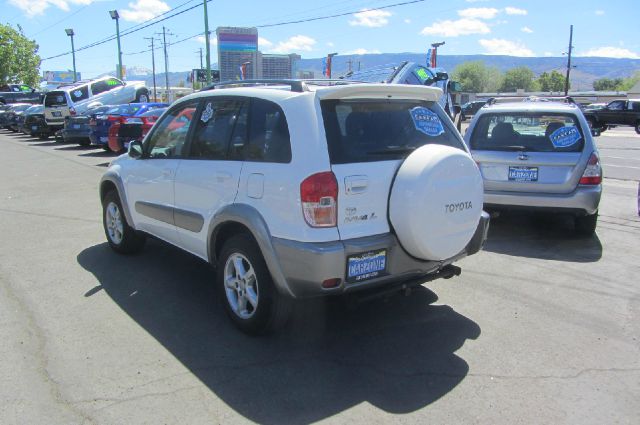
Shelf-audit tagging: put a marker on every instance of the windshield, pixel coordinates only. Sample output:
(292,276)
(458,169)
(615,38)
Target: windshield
(534,132)
(154,112)
(381,130)
(374,75)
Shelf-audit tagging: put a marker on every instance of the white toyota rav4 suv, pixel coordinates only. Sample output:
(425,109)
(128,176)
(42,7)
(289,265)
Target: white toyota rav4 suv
(301,190)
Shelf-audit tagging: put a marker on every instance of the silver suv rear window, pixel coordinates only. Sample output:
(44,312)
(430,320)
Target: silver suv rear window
(55,98)
(381,130)
(532,132)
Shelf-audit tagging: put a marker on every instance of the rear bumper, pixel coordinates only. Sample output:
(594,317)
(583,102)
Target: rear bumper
(583,200)
(305,265)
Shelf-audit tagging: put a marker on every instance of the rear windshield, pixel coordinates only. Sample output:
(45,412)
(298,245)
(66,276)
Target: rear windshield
(20,108)
(124,110)
(382,130)
(532,132)
(55,98)
(154,112)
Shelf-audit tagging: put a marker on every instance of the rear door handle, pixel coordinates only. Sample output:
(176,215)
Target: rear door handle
(355,185)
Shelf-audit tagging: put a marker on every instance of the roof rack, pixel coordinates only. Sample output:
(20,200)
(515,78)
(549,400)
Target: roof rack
(295,85)
(565,99)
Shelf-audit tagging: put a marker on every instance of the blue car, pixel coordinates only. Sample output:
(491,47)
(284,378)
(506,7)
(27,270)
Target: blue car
(101,123)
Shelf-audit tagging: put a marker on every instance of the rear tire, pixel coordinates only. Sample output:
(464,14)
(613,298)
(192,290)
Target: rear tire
(586,224)
(122,238)
(246,288)
(638,127)
(142,97)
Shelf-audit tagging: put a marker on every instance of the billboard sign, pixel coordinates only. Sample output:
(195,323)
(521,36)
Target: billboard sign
(231,42)
(60,76)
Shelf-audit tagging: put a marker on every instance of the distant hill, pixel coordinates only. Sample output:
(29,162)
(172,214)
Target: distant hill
(587,69)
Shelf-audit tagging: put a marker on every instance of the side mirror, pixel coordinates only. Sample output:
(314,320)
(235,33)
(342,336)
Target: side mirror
(135,149)
(441,76)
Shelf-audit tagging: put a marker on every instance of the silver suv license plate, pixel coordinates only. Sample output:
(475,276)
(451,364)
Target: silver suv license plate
(523,174)
(366,266)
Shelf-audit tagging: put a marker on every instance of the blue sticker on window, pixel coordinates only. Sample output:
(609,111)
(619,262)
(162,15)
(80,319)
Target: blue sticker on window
(565,137)
(427,121)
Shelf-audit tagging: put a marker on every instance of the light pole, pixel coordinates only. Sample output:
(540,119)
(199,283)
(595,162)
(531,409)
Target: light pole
(70,33)
(114,15)
(206,40)
(330,63)
(434,53)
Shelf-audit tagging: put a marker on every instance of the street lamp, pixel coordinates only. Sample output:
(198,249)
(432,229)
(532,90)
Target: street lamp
(70,33)
(330,63)
(114,15)
(434,54)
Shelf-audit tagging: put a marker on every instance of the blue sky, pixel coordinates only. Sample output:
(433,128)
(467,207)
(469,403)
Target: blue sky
(520,28)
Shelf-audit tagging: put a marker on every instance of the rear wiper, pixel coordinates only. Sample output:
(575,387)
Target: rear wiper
(392,150)
(511,148)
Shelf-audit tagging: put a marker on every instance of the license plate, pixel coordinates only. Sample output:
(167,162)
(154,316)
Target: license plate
(523,174)
(367,265)
(34,127)
(104,139)
(56,114)
(76,126)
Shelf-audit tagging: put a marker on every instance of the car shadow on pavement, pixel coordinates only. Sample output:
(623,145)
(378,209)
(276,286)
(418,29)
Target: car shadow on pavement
(396,354)
(548,237)
(76,147)
(101,153)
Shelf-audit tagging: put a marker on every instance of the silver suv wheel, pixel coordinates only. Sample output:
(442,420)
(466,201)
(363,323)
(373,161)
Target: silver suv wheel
(241,286)
(113,223)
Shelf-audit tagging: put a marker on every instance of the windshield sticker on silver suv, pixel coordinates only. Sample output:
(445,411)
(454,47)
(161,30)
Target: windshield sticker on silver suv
(427,121)
(207,113)
(565,137)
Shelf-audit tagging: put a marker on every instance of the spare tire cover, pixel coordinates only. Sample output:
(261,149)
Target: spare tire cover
(436,202)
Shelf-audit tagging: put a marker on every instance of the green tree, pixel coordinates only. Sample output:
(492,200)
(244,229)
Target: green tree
(607,84)
(19,60)
(628,83)
(551,82)
(518,78)
(476,77)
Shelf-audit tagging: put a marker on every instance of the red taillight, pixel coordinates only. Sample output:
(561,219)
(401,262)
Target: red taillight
(72,111)
(113,118)
(319,196)
(331,283)
(593,173)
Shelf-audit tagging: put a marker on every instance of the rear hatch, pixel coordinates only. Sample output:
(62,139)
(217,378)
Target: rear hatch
(56,107)
(369,134)
(528,152)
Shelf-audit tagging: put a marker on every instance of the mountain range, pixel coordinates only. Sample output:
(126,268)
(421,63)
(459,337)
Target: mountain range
(584,69)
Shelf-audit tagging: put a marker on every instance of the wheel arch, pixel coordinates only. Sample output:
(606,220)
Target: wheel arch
(111,181)
(243,218)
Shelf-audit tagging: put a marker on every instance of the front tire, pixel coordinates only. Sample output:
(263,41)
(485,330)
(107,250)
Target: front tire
(122,238)
(246,288)
(586,224)
(142,96)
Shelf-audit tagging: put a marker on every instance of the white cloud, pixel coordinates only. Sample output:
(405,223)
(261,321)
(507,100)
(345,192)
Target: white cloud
(37,7)
(294,44)
(370,18)
(497,46)
(456,28)
(330,44)
(407,21)
(514,11)
(212,40)
(611,52)
(143,10)
(526,29)
(361,52)
(599,12)
(478,13)
(264,43)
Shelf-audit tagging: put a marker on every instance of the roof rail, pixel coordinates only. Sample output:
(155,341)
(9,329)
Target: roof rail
(565,99)
(296,85)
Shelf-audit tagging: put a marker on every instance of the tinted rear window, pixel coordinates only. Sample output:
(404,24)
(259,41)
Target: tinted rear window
(124,110)
(154,112)
(55,98)
(382,130)
(534,132)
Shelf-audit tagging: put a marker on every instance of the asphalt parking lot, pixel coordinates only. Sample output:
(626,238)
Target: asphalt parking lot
(541,327)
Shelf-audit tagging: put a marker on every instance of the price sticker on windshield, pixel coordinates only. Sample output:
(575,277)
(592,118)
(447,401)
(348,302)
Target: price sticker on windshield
(427,121)
(565,137)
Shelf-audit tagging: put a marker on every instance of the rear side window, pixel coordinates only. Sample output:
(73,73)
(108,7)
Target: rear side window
(79,93)
(213,130)
(533,132)
(269,139)
(382,130)
(99,87)
(55,98)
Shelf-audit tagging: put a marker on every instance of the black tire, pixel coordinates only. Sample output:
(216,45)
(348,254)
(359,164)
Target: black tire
(84,142)
(43,137)
(142,96)
(638,127)
(126,241)
(586,224)
(272,309)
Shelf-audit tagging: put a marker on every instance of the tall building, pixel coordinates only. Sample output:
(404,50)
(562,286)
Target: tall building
(237,46)
(277,66)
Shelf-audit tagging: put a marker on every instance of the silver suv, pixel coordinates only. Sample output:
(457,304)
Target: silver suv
(301,190)
(538,154)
